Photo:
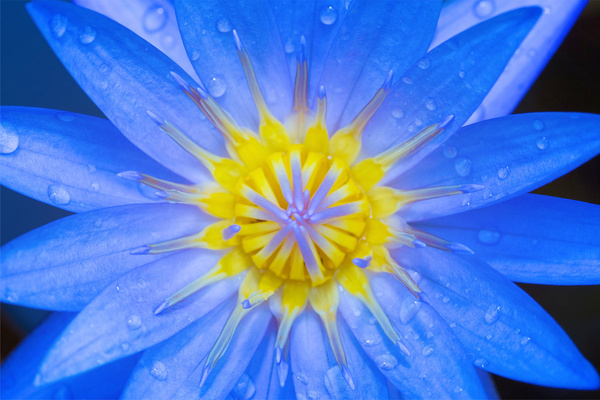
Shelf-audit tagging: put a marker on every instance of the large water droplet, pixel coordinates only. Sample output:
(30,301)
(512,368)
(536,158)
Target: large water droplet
(427,351)
(492,314)
(538,125)
(408,309)
(481,363)
(503,173)
(87,35)
(58,195)
(483,8)
(542,143)
(216,86)
(9,141)
(424,63)
(486,236)
(223,25)
(328,15)
(154,19)
(450,152)
(463,166)
(397,113)
(386,362)
(58,25)
(244,388)
(134,322)
(158,370)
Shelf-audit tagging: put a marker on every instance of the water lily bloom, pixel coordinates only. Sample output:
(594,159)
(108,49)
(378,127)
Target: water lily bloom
(297,200)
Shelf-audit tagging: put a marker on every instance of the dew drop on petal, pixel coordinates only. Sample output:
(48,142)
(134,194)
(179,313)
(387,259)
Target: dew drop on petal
(446,300)
(542,143)
(450,152)
(397,113)
(424,63)
(65,116)
(87,35)
(328,15)
(503,173)
(95,187)
(463,166)
(244,388)
(9,141)
(430,104)
(154,19)
(481,363)
(408,309)
(538,125)
(302,378)
(487,236)
(134,322)
(489,336)
(168,41)
(386,362)
(407,80)
(58,195)
(125,347)
(483,8)
(158,370)
(223,25)
(525,340)
(370,342)
(492,314)
(58,25)
(288,47)
(427,351)
(216,86)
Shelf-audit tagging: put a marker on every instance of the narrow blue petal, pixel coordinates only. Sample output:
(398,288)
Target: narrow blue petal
(503,330)
(18,370)
(156,22)
(437,366)
(519,153)
(65,264)
(69,160)
(163,368)
(529,59)
(121,320)
(452,79)
(126,77)
(310,356)
(488,384)
(207,31)
(231,367)
(532,238)
(377,37)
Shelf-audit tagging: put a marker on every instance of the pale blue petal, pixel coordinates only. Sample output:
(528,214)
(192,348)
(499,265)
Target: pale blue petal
(374,38)
(503,330)
(532,238)
(121,320)
(207,30)
(19,369)
(452,79)
(529,59)
(164,367)
(310,356)
(232,365)
(509,156)
(69,160)
(65,264)
(437,366)
(126,77)
(153,20)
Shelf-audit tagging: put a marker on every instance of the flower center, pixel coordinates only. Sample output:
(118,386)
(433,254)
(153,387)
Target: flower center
(300,214)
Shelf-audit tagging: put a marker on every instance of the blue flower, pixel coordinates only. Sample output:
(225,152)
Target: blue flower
(312,219)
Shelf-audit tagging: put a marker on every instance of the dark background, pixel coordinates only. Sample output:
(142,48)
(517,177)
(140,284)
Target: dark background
(32,76)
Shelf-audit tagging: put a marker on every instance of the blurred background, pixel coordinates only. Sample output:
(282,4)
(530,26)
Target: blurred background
(32,76)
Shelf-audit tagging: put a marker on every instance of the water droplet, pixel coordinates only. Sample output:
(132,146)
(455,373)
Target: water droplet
(538,125)
(158,371)
(216,86)
(525,340)
(168,42)
(492,315)
(65,116)
(58,195)
(424,63)
(487,236)
(453,325)
(154,19)
(408,309)
(481,363)
(288,47)
(463,166)
(134,322)
(503,173)
(357,313)
(430,104)
(386,362)
(9,141)
(87,35)
(244,388)
(407,80)
(546,10)
(489,336)
(446,300)
(95,187)
(427,351)
(429,335)
(483,8)
(418,122)
(125,346)
(450,152)
(461,74)
(458,389)
(328,15)
(302,379)
(397,113)
(195,55)
(223,25)
(58,25)
(372,341)
(542,143)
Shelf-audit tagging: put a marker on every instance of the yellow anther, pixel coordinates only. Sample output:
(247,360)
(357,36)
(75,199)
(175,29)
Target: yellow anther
(317,138)
(386,201)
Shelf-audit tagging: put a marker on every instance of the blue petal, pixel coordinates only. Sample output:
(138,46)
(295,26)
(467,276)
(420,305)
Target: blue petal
(126,77)
(519,153)
(230,368)
(69,160)
(154,22)
(18,370)
(374,38)
(503,329)
(65,264)
(452,79)
(206,28)
(164,367)
(437,366)
(488,384)
(531,238)
(529,59)
(121,320)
